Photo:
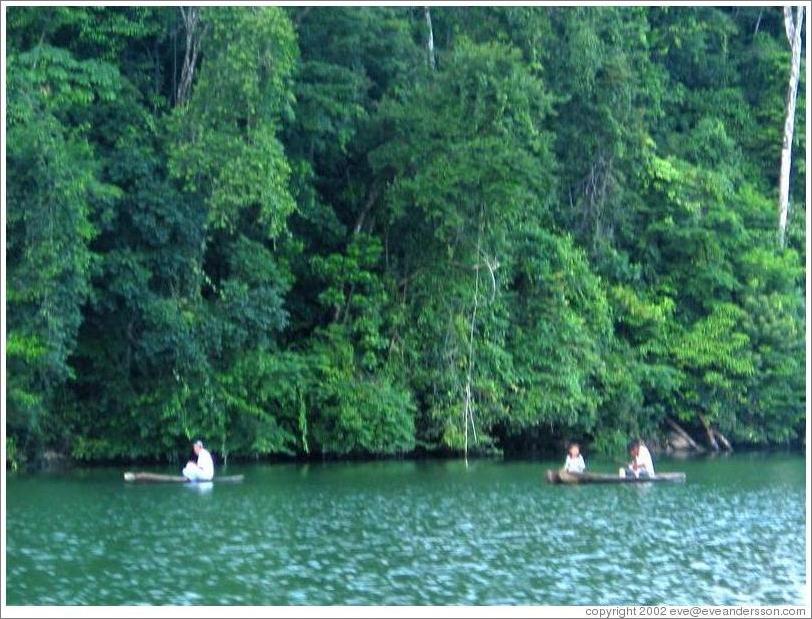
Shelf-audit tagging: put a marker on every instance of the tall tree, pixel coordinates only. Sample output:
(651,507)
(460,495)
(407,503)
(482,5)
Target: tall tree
(793,31)
(54,190)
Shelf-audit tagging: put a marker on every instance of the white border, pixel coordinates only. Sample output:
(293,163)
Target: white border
(369,611)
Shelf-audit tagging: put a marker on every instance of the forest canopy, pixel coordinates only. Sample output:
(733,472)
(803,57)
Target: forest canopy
(378,231)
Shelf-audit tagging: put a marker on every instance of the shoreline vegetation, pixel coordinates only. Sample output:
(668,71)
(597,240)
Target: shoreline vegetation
(54,462)
(343,232)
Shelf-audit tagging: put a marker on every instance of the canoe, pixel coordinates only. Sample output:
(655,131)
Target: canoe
(563,477)
(179,479)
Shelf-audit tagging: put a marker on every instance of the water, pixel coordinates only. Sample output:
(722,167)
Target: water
(411,533)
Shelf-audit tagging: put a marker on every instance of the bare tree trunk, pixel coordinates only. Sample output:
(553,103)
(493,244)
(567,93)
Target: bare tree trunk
(794,37)
(194,34)
(430,41)
(359,222)
(468,408)
(722,439)
(175,57)
(711,439)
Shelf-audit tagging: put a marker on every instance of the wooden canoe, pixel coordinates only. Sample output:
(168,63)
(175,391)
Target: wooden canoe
(179,479)
(563,477)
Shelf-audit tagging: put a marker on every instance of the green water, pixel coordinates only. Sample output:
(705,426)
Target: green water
(411,533)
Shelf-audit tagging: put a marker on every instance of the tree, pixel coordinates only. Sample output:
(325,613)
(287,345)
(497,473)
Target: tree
(334,231)
(793,30)
(53,190)
(464,177)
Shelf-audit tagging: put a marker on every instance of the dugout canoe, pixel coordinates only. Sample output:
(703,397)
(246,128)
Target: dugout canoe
(178,479)
(563,477)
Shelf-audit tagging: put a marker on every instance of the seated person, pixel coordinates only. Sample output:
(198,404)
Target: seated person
(203,469)
(575,461)
(641,464)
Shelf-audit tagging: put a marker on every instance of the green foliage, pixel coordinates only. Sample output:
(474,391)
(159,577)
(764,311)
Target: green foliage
(357,413)
(263,400)
(13,456)
(468,175)
(560,331)
(52,188)
(564,229)
(226,138)
(358,296)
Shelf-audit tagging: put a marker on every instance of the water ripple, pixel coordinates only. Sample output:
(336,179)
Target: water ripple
(411,533)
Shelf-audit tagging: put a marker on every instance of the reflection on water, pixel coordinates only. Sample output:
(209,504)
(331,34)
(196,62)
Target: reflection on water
(200,487)
(411,533)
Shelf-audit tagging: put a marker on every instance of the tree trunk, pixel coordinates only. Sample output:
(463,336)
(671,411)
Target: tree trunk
(359,222)
(709,433)
(194,34)
(430,40)
(721,438)
(676,427)
(794,37)
(468,405)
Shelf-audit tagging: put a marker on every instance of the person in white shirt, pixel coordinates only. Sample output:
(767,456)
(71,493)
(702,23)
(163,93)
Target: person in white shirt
(641,464)
(203,469)
(575,461)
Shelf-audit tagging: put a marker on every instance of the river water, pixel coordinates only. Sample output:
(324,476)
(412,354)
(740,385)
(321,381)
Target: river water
(404,532)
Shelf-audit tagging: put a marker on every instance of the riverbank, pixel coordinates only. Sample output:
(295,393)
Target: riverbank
(53,461)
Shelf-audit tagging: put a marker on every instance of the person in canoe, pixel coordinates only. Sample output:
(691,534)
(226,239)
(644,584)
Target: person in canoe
(575,461)
(641,464)
(203,469)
